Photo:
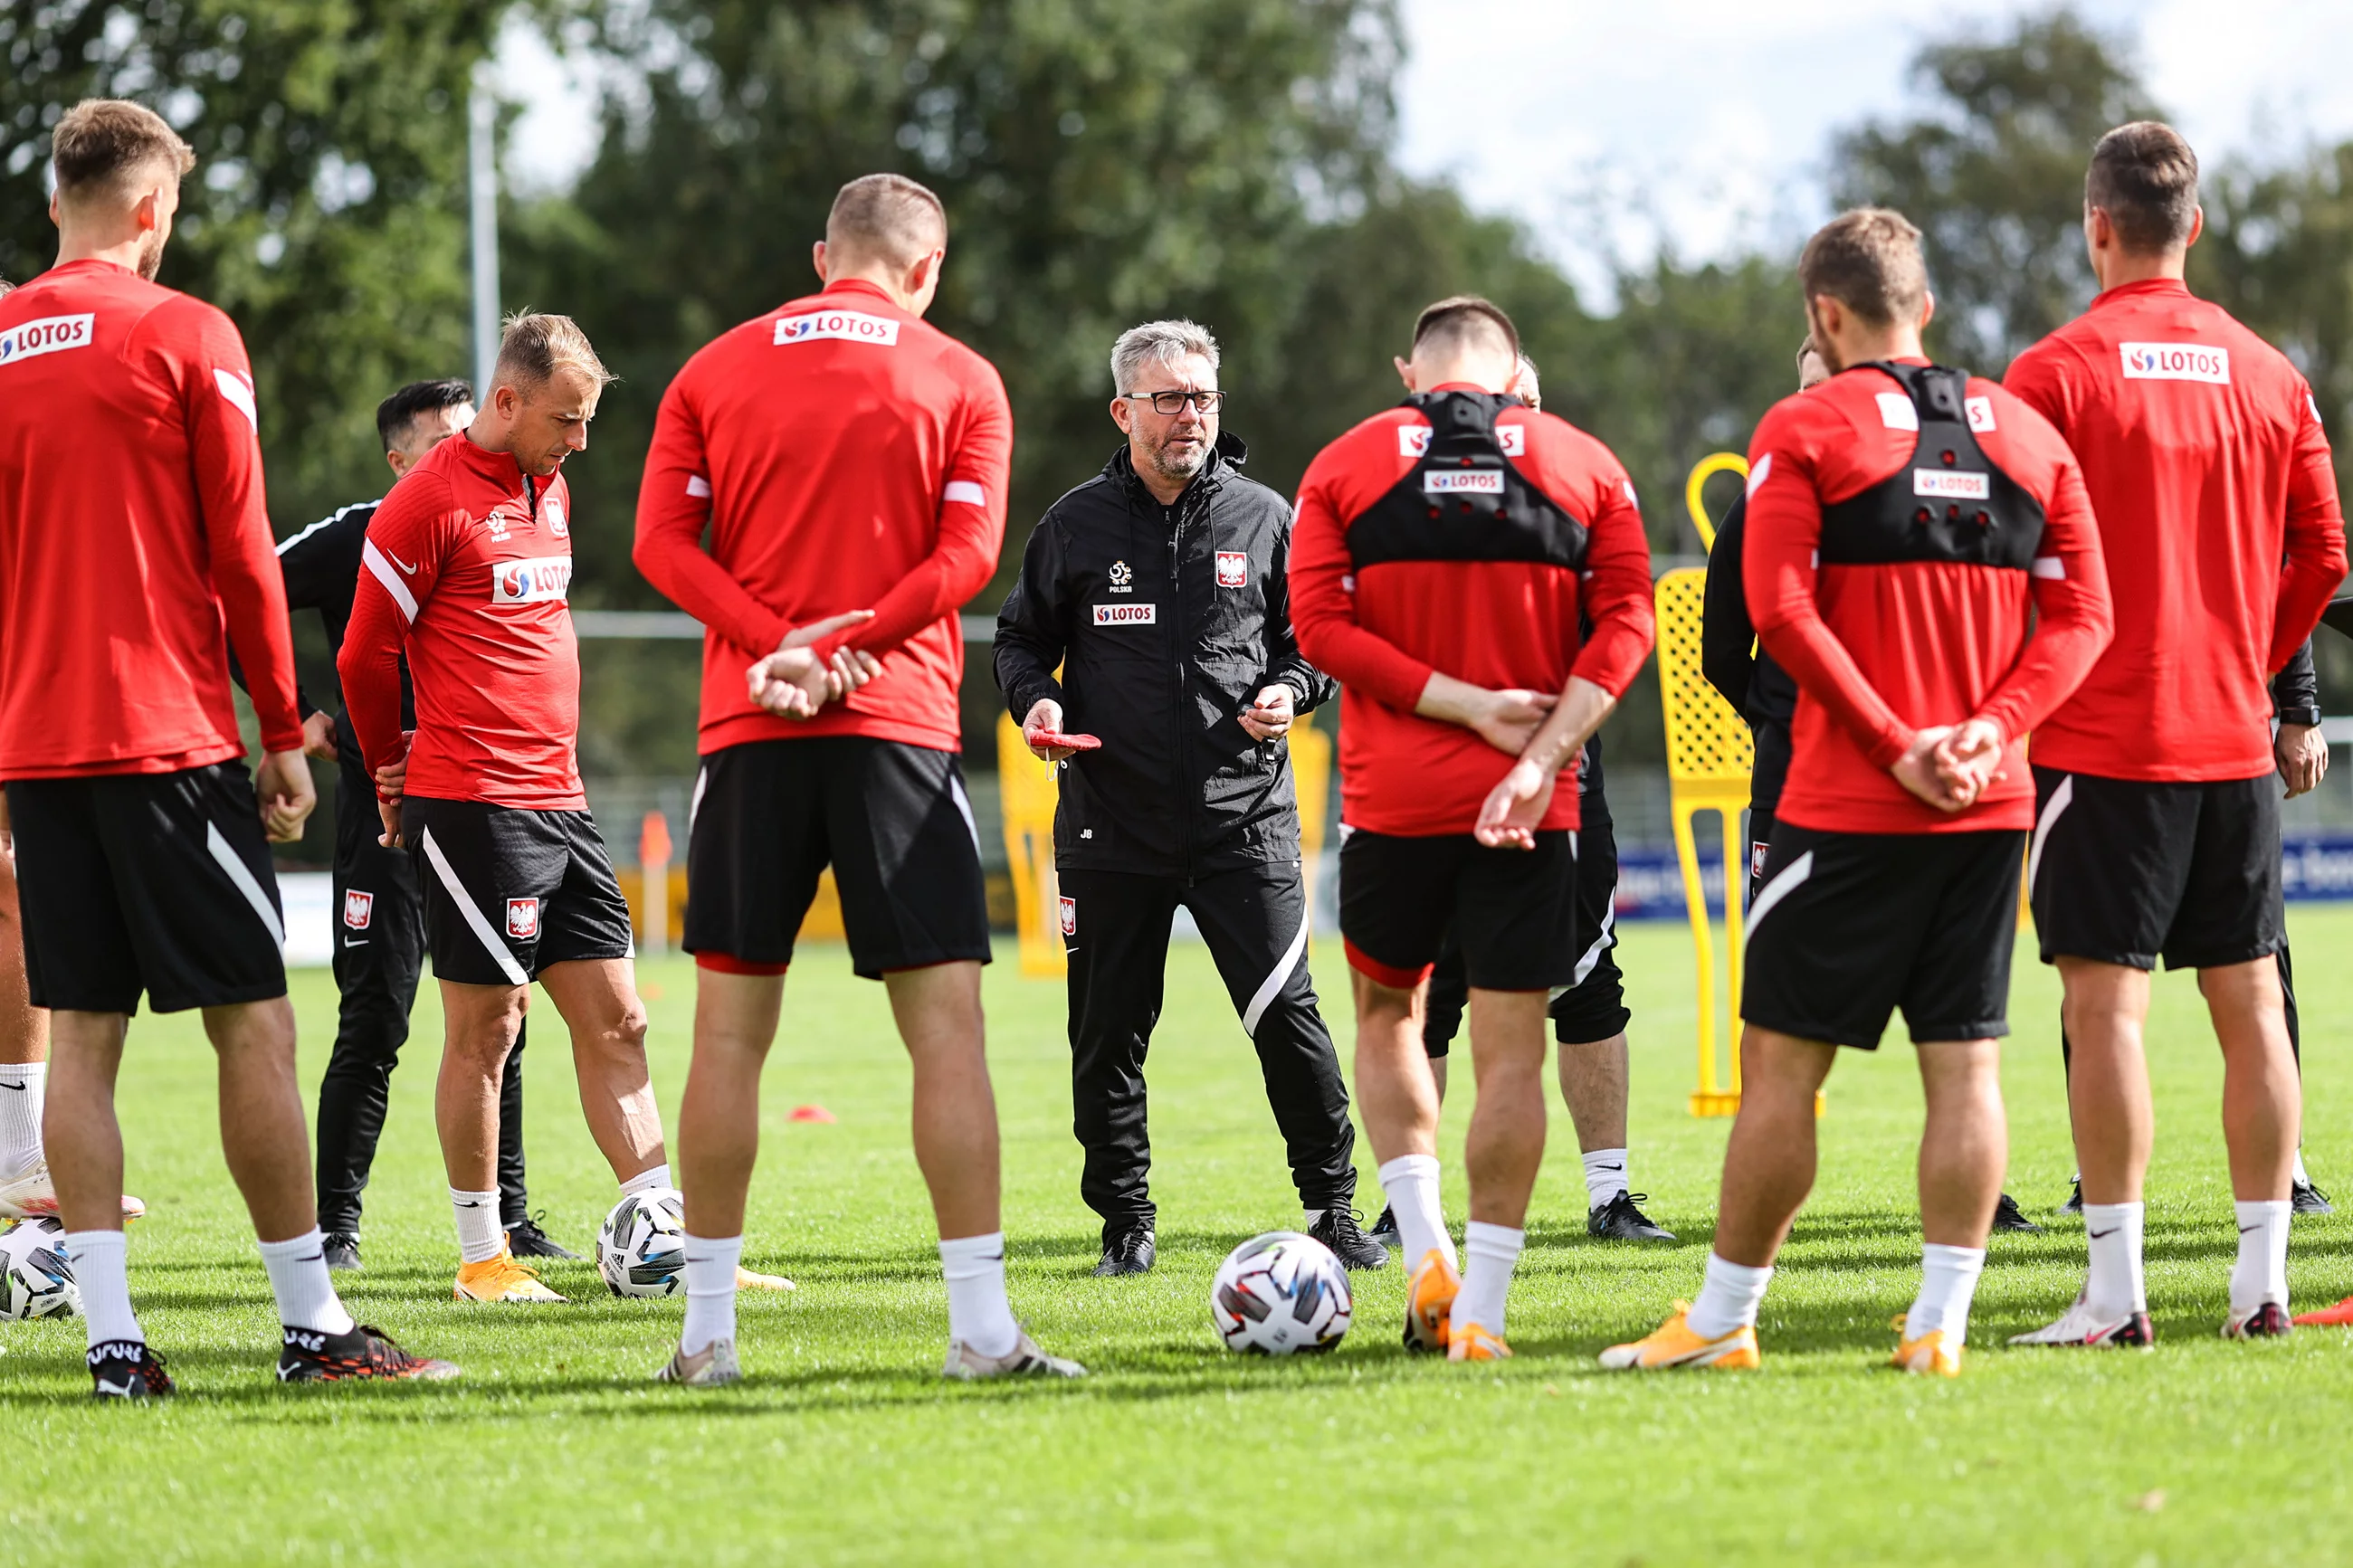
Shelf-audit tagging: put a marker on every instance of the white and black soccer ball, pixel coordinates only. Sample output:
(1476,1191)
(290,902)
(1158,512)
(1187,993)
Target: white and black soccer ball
(1280,1294)
(641,1246)
(35,1281)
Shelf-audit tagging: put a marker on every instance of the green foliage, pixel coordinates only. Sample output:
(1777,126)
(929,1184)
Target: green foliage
(1991,168)
(326,214)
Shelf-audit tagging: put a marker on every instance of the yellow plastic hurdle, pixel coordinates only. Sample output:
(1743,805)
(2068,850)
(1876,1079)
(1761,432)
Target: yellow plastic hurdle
(1709,758)
(1029,790)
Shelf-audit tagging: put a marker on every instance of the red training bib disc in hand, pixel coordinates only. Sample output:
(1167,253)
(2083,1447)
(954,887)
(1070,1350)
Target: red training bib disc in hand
(1075,742)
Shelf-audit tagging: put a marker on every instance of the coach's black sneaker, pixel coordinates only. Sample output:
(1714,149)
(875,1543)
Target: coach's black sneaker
(1339,1231)
(2008,1216)
(343,1249)
(525,1239)
(127,1369)
(2074,1203)
(1130,1251)
(2304,1197)
(1622,1219)
(1385,1229)
(360,1352)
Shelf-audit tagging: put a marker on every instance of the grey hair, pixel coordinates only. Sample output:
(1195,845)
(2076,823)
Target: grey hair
(1162,342)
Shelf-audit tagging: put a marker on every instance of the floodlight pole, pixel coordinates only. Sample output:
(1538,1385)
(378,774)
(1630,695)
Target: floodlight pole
(483,159)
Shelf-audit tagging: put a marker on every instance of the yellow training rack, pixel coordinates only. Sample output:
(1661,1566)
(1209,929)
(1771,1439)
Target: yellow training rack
(1710,756)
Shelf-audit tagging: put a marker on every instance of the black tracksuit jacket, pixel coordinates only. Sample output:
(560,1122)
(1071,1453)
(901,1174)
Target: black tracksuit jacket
(1166,622)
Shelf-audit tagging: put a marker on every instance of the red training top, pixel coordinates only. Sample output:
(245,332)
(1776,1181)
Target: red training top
(845,456)
(2207,465)
(1390,581)
(132,525)
(468,561)
(1885,635)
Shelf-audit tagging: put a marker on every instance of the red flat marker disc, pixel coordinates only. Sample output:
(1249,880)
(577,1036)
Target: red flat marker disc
(1076,743)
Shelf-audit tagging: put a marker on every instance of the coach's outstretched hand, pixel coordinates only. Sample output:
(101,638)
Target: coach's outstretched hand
(283,783)
(794,683)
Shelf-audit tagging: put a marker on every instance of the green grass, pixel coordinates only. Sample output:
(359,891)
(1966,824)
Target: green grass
(843,1446)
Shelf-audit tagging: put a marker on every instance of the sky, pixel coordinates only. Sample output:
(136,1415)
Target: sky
(1704,124)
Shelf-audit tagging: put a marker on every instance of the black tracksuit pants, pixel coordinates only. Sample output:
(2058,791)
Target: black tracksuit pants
(377,967)
(1115,927)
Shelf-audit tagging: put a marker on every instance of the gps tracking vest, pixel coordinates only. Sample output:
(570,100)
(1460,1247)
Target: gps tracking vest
(1464,500)
(1950,502)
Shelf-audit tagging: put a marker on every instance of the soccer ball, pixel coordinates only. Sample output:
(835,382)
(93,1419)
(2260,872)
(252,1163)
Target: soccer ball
(641,1246)
(1280,1293)
(35,1282)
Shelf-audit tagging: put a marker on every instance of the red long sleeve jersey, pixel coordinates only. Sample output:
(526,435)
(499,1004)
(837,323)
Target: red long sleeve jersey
(1400,567)
(1894,558)
(844,456)
(2207,465)
(132,533)
(468,565)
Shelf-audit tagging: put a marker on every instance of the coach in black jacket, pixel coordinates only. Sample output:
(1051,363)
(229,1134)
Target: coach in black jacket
(1160,588)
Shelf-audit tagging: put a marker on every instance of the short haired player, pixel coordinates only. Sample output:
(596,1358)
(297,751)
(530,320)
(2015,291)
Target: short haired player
(1444,554)
(849,464)
(1922,560)
(2157,833)
(134,551)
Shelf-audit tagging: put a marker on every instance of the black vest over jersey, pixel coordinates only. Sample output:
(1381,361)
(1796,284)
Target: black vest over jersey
(1465,500)
(1950,502)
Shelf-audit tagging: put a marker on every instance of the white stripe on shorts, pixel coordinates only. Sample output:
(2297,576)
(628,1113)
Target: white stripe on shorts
(474,919)
(1601,944)
(2061,799)
(242,875)
(1792,877)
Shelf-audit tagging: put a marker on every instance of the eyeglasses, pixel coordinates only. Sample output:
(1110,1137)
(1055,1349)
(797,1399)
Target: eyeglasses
(1173,403)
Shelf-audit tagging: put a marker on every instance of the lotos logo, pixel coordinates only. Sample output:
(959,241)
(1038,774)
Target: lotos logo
(1463,481)
(544,581)
(1125,616)
(522,918)
(1233,568)
(358,909)
(2176,361)
(854,326)
(28,340)
(1413,440)
(1946,485)
(1069,916)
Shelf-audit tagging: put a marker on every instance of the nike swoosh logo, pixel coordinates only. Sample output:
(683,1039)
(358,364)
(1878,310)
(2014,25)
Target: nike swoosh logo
(1608,1167)
(2096,1235)
(2248,1229)
(318,1257)
(361,942)
(17,1087)
(469,1206)
(396,560)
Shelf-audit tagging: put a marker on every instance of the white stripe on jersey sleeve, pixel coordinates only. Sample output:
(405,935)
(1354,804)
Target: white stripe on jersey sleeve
(698,487)
(234,387)
(966,491)
(383,572)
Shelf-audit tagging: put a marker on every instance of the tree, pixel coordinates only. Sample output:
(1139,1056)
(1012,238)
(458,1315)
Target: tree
(326,213)
(1992,170)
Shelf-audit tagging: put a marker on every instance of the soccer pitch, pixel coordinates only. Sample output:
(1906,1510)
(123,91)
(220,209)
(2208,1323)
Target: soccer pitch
(844,1446)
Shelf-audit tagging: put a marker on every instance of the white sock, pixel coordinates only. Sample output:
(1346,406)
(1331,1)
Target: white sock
(1314,1219)
(1493,1251)
(1948,1281)
(23,1087)
(1410,1182)
(978,1313)
(710,1290)
(1605,1176)
(298,1276)
(2115,1286)
(2300,1176)
(479,1237)
(651,1179)
(99,1269)
(1728,1299)
(2261,1273)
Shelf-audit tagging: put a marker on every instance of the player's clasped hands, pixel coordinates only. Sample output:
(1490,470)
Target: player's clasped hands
(1950,765)
(794,683)
(1508,720)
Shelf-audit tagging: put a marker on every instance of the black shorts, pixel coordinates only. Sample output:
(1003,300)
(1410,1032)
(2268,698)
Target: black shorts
(509,891)
(1851,926)
(1513,912)
(2125,871)
(1594,1006)
(152,882)
(891,819)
